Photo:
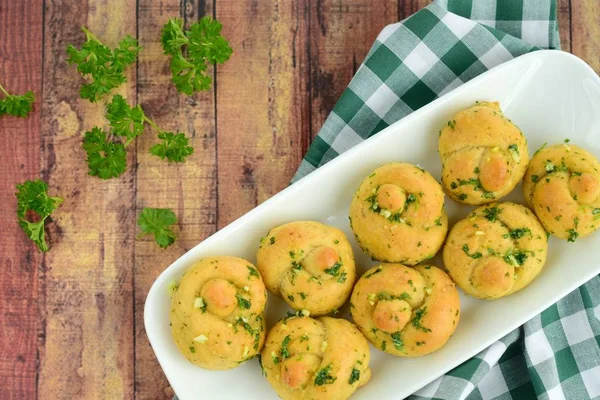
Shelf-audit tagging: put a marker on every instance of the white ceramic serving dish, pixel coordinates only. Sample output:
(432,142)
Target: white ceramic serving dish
(550,95)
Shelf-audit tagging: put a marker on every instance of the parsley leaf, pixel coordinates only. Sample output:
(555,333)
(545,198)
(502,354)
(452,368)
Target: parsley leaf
(174,147)
(106,159)
(17,105)
(104,68)
(32,198)
(157,221)
(125,120)
(192,51)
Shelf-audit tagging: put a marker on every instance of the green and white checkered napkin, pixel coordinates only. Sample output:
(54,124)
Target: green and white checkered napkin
(556,355)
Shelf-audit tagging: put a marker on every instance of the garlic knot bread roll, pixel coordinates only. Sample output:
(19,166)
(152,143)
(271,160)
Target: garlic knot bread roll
(484,155)
(324,358)
(217,312)
(397,214)
(497,250)
(404,311)
(562,185)
(309,264)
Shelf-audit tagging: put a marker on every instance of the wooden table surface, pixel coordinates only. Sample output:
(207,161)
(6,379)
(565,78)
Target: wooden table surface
(71,320)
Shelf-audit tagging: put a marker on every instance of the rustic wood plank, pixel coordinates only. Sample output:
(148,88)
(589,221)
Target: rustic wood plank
(86,348)
(563,14)
(585,31)
(261,101)
(406,8)
(188,188)
(20,71)
(341,34)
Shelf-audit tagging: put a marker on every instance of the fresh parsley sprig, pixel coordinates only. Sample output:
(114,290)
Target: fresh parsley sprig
(107,155)
(18,105)
(174,147)
(102,66)
(192,51)
(34,206)
(129,122)
(158,221)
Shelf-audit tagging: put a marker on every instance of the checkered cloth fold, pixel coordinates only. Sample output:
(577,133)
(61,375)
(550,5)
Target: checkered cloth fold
(556,355)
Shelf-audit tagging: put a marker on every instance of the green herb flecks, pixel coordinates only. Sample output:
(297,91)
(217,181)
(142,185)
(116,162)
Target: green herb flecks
(416,321)
(397,341)
(335,270)
(285,353)
(517,233)
(491,213)
(243,303)
(324,376)
(387,296)
(517,257)
(354,376)
(252,272)
(475,255)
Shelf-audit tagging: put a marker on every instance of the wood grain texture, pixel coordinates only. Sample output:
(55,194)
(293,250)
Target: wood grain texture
(585,31)
(190,189)
(71,321)
(20,71)
(261,94)
(341,34)
(86,280)
(563,14)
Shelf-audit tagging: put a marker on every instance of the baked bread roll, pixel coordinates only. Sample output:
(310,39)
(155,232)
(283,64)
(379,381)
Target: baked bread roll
(484,155)
(404,311)
(497,250)
(397,214)
(324,358)
(217,312)
(308,264)
(562,185)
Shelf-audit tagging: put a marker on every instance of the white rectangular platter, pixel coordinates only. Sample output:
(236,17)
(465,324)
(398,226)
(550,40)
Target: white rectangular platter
(550,95)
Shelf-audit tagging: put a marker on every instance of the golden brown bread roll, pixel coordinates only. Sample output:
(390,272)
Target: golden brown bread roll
(217,312)
(309,264)
(404,311)
(497,250)
(484,155)
(324,358)
(397,214)
(562,185)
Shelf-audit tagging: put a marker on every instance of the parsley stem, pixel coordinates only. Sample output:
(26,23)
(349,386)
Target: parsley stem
(153,124)
(4,90)
(89,35)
